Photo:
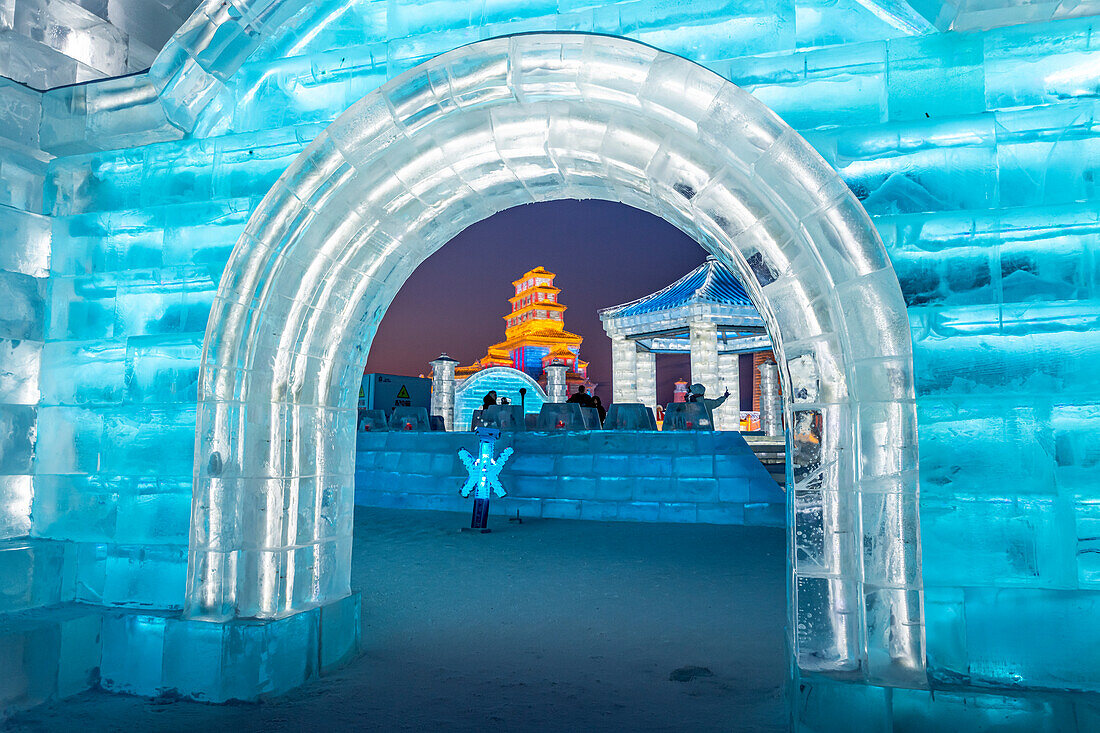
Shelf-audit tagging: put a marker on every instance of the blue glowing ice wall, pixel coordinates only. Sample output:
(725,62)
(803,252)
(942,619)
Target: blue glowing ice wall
(975,153)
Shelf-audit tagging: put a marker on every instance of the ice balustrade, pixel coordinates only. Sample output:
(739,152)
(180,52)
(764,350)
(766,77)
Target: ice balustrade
(632,474)
(531,118)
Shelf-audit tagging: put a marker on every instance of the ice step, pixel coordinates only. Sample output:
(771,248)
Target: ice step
(47,654)
(772,452)
(35,573)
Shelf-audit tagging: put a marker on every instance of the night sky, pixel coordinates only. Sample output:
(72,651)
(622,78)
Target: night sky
(603,254)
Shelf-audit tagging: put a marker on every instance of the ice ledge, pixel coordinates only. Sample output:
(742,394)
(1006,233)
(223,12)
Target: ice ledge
(155,654)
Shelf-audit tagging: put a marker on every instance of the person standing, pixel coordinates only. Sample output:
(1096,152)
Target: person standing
(598,404)
(582,398)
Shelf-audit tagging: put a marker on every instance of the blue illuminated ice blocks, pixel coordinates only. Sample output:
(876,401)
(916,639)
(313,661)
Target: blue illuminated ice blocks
(967,134)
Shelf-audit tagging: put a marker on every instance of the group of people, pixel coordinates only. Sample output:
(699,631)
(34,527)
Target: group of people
(491,399)
(696,393)
(582,398)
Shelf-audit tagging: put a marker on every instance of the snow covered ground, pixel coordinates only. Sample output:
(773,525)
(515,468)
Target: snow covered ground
(552,625)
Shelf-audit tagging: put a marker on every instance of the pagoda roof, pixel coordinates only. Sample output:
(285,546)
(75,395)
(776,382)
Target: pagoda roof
(710,282)
(536,289)
(539,271)
(552,333)
(537,305)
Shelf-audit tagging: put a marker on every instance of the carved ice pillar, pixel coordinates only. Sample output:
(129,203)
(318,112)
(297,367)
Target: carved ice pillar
(555,383)
(704,357)
(624,370)
(645,378)
(728,416)
(771,409)
(443,389)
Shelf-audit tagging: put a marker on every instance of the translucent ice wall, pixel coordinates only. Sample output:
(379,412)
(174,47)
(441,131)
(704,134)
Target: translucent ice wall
(51,43)
(974,154)
(24,265)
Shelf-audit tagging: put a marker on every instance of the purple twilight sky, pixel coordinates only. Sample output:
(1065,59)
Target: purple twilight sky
(603,253)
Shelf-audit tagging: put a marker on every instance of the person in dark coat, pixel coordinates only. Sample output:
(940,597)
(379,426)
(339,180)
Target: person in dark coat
(598,404)
(582,398)
(489,399)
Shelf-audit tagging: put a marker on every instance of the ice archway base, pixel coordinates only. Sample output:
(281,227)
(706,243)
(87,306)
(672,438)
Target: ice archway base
(531,118)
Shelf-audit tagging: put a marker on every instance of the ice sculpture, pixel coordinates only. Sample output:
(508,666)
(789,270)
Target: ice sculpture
(973,152)
(527,118)
(506,382)
(484,475)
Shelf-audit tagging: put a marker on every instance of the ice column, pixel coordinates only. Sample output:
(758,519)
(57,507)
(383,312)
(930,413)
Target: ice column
(555,382)
(728,416)
(704,357)
(624,365)
(443,389)
(645,375)
(771,410)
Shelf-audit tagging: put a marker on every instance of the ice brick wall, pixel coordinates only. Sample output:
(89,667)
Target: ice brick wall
(713,478)
(141,236)
(24,265)
(50,43)
(976,154)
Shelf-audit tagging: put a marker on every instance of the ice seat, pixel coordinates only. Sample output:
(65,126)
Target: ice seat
(372,421)
(629,416)
(501,417)
(561,416)
(687,416)
(591,418)
(410,419)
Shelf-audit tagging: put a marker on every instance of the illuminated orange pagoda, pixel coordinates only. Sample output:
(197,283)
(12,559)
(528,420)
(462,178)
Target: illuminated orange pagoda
(535,335)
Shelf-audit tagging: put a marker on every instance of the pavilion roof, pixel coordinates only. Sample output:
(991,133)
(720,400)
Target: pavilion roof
(711,282)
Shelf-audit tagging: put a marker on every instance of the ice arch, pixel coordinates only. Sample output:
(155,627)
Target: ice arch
(530,118)
(506,381)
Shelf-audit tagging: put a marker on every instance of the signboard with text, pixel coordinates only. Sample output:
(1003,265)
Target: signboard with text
(387,391)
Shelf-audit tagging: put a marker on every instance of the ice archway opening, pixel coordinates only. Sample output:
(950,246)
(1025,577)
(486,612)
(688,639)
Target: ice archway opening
(531,118)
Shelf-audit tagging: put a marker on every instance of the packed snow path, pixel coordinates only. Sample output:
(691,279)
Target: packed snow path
(551,625)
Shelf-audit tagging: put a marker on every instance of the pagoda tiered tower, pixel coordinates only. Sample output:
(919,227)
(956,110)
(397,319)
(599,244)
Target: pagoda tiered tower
(535,335)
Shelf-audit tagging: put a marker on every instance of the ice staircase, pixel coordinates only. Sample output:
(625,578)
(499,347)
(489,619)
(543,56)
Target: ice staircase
(772,452)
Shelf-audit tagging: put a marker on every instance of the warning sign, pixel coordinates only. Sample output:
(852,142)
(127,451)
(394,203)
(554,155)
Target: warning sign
(387,391)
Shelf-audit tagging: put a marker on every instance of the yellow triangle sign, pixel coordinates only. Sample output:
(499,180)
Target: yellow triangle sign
(403,394)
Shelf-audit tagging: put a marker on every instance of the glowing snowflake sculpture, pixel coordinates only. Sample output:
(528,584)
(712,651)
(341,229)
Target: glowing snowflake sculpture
(484,479)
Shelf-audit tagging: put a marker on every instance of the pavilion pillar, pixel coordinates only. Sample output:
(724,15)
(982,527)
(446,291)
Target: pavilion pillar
(704,357)
(645,378)
(555,383)
(728,416)
(443,389)
(771,404)
(624,370)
